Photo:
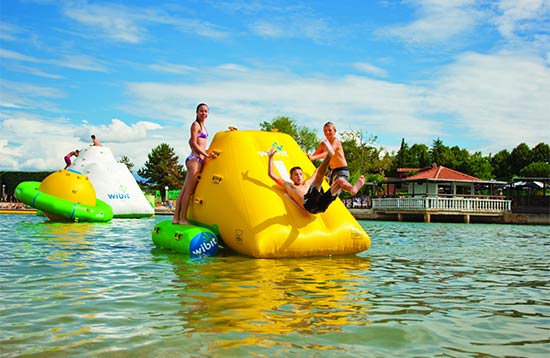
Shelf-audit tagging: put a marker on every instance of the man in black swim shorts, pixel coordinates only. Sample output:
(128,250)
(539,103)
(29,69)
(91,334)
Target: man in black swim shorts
(308,193)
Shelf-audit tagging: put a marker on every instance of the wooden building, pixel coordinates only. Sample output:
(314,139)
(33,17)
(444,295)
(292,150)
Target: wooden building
(442,194)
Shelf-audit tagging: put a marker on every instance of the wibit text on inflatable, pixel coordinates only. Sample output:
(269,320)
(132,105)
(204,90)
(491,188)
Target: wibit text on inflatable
(121,194)
(203,244)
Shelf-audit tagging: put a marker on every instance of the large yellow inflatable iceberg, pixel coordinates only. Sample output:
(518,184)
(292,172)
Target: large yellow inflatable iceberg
(254,214)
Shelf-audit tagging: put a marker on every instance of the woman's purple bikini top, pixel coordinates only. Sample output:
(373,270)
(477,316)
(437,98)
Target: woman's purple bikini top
(202,134)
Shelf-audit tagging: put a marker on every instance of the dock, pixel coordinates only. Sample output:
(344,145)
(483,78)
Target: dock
(448,209)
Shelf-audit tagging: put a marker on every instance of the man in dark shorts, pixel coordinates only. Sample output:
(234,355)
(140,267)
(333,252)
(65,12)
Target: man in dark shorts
(308,193)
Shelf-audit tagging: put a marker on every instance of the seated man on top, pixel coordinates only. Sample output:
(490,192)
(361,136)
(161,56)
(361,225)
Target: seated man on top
(308,193)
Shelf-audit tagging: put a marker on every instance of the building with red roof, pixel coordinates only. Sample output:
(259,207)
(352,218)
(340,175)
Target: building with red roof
(439,191)
(441,180)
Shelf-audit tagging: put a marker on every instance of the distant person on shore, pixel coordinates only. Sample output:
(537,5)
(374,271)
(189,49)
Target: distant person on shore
(95,141)
(309,193)
(67,158)
(194,163)
(338,163)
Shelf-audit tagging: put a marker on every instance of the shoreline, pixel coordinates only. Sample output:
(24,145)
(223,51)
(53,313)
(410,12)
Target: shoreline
(358,214)
(506,218)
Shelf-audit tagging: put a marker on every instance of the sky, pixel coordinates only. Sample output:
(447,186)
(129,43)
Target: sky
(475,74)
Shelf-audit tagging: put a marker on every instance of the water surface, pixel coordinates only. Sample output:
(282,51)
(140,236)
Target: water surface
(421,290)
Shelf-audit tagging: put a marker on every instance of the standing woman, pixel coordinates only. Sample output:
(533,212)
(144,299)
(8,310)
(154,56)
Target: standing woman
(194,163)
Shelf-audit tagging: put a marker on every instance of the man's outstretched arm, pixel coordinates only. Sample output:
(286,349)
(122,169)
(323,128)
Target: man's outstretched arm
(270,170)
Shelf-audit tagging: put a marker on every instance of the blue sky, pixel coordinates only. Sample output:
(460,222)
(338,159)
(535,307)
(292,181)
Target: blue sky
(475,74)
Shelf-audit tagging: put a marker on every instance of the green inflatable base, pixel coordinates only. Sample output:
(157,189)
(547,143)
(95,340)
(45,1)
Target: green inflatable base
(192,240)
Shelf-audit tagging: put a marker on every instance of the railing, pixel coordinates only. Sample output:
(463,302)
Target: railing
(473,204)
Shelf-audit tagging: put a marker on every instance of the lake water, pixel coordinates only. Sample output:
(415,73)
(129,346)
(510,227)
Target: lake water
(421,290)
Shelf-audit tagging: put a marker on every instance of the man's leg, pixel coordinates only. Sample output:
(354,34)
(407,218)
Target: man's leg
(342,184)
(322,169)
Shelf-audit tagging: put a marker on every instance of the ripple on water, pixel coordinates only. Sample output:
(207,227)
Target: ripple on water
(421,290)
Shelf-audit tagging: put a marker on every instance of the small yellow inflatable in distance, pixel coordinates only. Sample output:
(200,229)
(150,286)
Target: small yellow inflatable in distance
(255,215)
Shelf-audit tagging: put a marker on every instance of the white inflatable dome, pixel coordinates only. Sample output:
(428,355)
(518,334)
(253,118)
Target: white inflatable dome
(113,182)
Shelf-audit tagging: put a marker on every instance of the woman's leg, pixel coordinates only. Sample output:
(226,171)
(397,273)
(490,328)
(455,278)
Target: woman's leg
(180,213)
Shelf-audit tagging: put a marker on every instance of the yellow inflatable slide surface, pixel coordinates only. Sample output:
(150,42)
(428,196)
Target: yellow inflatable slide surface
(254,214)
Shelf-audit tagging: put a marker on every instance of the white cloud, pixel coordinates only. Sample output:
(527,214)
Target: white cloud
(9,32)
(443,22)
(198,27)
(32,71)
(118,131)
(437,22)
(31,142)
(516,15)
(503,99)
(129,24)
(370,69)
(28,95)
(268,29)
(12,55)
(256,96)
(173,68)
(115,21)
(315,29)
(500,100)
(78,62)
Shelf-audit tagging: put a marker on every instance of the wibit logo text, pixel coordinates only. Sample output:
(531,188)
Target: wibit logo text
(119,196)
(206,246)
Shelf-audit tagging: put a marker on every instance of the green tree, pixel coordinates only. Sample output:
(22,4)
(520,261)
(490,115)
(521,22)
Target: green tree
(162,169)
(281,124)
(360,151)
(126,161)
(305,137)
(404,157)
(536,170)
(416,156)
(441,154)
(10,179)
(421,156)
(501,165)
(541,153)
(460,159)
(385,163)
(479,166)
(519,158)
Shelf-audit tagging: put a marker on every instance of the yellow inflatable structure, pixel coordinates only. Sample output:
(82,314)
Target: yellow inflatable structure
(255,215)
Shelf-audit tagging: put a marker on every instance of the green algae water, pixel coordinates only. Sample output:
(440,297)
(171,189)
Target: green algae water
(421,290)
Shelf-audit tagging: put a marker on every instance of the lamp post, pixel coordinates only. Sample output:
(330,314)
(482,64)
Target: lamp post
(166,194)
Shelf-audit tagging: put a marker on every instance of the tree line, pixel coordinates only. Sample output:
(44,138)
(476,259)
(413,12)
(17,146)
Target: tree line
(364,156)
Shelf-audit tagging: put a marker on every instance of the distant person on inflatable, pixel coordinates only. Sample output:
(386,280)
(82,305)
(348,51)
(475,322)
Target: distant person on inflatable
(95,141)
(308,193)
(194,163)
(338,164)
(67,158)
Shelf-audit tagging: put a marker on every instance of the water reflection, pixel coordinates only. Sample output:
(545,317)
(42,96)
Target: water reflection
(260,296)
